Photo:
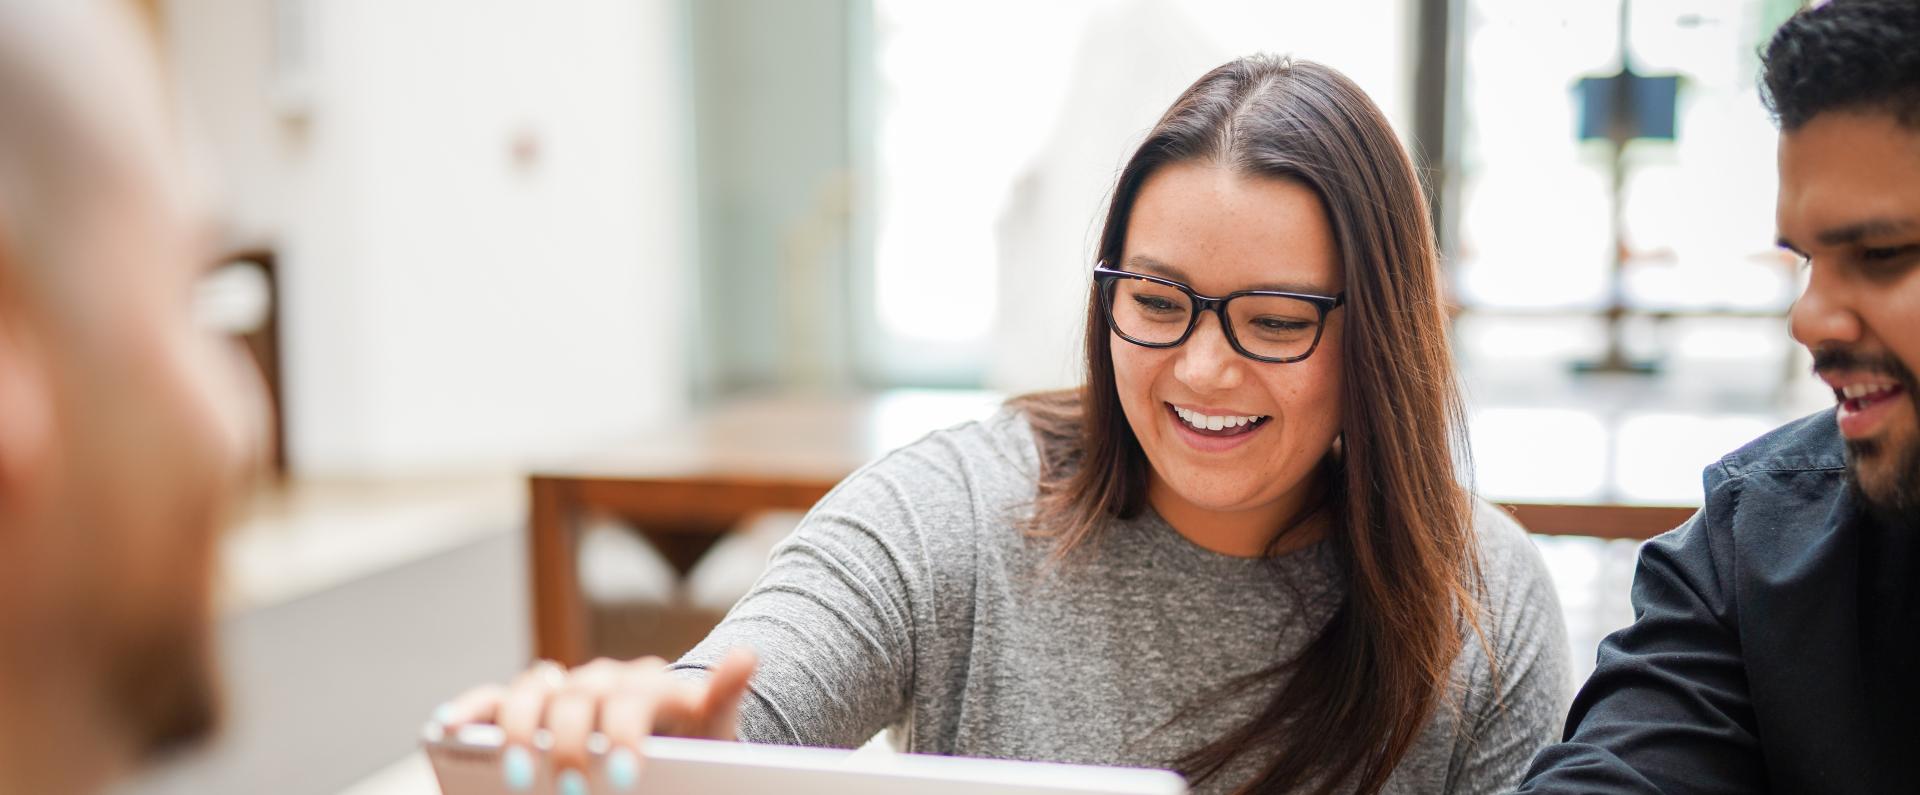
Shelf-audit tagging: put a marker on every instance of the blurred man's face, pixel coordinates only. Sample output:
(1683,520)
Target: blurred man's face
(142,421)
(1850,203)
(149,415)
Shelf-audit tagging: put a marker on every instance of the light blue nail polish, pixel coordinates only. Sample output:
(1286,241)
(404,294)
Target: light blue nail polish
(623,769)
(443,714)
(516,765)
(572,783)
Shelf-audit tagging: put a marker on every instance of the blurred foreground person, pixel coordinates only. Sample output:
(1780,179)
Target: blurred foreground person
(121,438)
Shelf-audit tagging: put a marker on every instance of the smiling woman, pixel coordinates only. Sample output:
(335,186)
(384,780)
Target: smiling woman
(1271,175)
(1240,550)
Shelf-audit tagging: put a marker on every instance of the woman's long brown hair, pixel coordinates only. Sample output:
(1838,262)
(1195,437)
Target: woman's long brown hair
(1400,522)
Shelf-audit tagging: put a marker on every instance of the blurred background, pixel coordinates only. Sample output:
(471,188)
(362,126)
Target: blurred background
(567,306)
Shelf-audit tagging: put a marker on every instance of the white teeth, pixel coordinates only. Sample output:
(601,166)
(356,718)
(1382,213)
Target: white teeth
(1863,390)
(1211,423)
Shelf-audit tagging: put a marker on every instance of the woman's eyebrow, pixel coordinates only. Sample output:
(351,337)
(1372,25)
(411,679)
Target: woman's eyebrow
(1141,263)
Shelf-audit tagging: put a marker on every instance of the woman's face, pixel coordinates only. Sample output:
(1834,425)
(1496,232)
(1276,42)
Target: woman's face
(1219,232)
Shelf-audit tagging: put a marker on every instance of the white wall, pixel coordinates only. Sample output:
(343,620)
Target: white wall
(454,301)
(322,691)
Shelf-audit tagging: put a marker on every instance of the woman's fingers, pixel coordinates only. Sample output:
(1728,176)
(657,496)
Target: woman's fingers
(627,717)
(524,706)
(522,709)
(478,705)
(625,701)
(574,711)
(726,687)
(707,708)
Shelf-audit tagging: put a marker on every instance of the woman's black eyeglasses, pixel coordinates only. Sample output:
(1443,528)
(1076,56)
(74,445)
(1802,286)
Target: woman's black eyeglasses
(1263,325)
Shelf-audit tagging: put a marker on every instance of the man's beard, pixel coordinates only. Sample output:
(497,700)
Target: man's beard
(1894,499)
(1896,503)
(161,685)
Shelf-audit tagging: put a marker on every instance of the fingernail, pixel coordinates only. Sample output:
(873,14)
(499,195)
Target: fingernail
(623,769)
(443,714)
(516,765)
(572,783)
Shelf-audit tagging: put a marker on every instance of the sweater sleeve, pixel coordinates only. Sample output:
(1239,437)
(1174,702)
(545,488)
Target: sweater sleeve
(850,601)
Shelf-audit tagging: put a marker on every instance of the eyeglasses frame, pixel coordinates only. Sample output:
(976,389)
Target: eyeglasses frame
(1105,277)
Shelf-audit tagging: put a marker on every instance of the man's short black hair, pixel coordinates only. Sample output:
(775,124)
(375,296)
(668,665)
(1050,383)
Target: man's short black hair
(1851,55)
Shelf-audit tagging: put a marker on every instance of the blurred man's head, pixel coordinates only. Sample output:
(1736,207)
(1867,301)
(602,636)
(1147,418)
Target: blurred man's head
(119,446)
(1844,82)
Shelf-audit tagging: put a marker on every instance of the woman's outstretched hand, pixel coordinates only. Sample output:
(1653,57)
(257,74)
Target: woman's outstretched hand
(626,701)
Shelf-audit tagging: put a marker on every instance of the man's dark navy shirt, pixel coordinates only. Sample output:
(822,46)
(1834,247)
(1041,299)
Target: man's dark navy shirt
(1775,644)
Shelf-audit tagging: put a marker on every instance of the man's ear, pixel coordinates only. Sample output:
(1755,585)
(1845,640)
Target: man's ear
(26,398)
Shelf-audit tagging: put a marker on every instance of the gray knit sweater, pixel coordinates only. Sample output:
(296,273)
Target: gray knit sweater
(909,598)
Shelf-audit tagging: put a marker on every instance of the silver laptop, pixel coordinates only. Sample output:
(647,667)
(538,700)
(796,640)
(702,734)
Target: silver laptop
(468,763)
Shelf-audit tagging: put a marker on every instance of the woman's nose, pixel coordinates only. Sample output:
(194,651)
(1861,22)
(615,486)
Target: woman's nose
(1207,362)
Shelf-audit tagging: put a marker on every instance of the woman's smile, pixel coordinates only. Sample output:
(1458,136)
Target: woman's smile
(1213,431)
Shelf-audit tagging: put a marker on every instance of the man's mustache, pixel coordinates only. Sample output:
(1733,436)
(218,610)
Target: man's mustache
(1829,359)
